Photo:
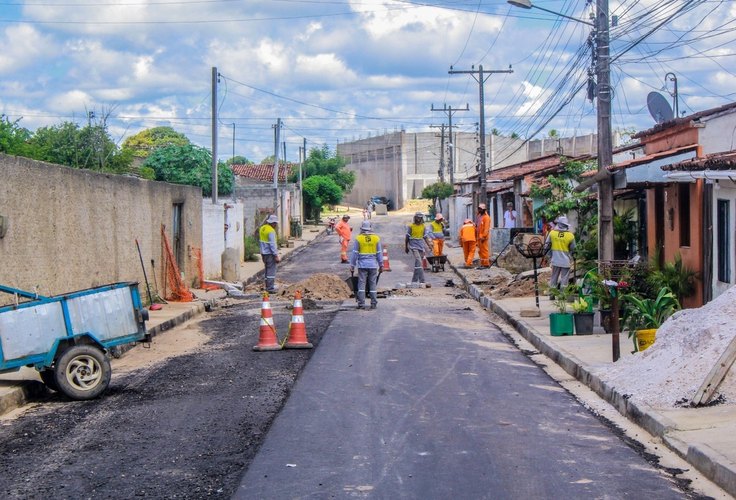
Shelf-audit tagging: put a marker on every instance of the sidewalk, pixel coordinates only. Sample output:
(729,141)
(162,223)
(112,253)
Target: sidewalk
(704,437)
(20,387)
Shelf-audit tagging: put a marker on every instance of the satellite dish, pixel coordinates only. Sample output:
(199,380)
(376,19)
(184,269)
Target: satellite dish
(659,108)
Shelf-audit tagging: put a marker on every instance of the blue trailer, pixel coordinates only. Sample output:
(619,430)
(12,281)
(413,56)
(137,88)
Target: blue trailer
(67,337)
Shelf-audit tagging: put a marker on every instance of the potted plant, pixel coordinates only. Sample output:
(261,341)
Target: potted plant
(582,316)
(645,315)
(561,322)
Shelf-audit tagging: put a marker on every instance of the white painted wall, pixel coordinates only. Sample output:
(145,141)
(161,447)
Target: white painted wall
(724,190)
(222,227)
(719,133)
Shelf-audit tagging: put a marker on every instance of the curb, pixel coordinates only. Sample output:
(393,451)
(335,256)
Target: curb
(707,461)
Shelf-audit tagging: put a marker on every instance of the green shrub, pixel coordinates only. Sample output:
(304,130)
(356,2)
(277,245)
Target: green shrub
(252,248)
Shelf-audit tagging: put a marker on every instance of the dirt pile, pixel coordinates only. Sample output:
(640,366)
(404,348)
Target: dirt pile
(688,346)
(319,286)
(499,284)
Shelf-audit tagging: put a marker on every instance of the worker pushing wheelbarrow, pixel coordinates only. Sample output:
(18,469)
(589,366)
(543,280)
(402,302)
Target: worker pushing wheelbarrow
(367,256)
(437,235)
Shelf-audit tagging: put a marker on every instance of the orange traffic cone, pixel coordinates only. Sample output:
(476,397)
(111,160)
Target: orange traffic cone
(267,340)
(386,264)
(297,336)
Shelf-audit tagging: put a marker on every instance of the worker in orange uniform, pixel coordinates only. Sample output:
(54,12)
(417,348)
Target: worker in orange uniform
(467,240)
(483,236)
(344,231)
(437,235)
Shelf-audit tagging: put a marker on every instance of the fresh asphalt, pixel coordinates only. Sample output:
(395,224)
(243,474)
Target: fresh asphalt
(426,398)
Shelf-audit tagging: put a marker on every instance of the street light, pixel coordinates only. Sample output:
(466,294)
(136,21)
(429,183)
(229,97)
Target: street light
(603,105)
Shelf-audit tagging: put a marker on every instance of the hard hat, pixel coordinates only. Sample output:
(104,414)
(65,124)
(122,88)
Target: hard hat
(482,206)
(562,222)
(468,221)
(419,214)
(366,226)
(346,217)
(272,219)
(438,217)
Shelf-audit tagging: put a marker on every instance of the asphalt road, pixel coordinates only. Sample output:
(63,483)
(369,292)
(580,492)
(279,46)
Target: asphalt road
(422,398)
(426,398)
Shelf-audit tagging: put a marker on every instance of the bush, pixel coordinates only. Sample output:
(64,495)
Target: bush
(252,248)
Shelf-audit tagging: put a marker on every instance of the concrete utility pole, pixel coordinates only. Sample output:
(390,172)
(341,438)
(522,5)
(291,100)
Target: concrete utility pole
(480,76)
(215,80)
(276,141)
(451,163)
(441,171)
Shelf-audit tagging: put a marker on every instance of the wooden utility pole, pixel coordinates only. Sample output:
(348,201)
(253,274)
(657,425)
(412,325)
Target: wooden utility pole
(441,172)
(214,134)
(276,141)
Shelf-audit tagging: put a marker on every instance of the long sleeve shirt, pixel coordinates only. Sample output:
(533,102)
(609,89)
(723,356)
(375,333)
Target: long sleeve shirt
(415,236)
(267,237)
(367,252)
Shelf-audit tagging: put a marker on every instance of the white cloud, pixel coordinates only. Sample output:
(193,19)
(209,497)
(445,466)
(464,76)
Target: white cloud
(317,67)
(23,46)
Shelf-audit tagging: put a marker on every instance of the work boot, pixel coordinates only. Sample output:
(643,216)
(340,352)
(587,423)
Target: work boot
(373,306)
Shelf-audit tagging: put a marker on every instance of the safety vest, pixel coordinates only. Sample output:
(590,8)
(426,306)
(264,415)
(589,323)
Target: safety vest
(264,232)
(560,240)
(417,231)
(437,227)
(367,243)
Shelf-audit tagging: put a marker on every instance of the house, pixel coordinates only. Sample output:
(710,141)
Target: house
(678,203)
(254,187)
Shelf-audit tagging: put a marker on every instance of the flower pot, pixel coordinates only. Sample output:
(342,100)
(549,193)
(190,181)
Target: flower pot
(583,323)
(560,324)
(645,338)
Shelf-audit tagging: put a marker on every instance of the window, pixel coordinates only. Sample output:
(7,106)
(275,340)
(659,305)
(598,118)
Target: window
(723,223)
(683,198)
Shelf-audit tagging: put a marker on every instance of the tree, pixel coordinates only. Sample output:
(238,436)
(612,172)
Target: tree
(189,164)
(13,137)
(321,161)
(319,190)
(88,147)
(238,160)
(435,192)
(145,142)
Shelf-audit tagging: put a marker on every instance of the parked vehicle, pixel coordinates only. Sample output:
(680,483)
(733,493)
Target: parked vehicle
(375,200)
(66,337)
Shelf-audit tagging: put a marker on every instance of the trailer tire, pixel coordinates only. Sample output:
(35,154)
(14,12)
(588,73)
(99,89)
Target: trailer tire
(49,379)
(82,372)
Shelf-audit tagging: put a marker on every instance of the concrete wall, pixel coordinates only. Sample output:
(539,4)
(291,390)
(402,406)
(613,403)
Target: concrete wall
(222,227)
(718,134)
(257,201)
(71,229)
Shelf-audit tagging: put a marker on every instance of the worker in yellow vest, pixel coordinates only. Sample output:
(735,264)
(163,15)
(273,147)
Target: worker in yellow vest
(367,256)
(269,251)
(561,242)
(417,240)
(437,234)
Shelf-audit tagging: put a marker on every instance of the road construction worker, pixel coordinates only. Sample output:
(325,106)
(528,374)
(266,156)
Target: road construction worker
(269,251)
(483,235)
(437,234)
(561,243)
(417,240)
(367,256)
(344,231)
(467,240)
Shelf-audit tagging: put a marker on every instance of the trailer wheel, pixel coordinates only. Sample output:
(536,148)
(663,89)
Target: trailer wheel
(49,379)
(82,372)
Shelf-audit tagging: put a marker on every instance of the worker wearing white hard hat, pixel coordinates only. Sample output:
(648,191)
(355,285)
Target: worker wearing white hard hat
(367,256)
(417,241)
(437,234)
(561,242)
(269,251)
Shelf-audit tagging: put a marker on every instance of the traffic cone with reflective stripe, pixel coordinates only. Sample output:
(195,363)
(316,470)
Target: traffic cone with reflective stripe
(386,264)
(267,339)
(297,337)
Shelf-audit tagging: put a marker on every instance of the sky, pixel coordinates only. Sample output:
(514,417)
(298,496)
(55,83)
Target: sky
(341,70)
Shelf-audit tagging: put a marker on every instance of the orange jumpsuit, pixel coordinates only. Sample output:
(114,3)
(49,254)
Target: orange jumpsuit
(467,240)
(483,239)
(344,231)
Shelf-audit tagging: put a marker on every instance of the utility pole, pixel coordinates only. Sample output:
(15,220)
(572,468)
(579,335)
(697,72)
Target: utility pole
(481,76)
(441,171)
(276,141)
(448,109)
(301,180)
(233,143)
(605,147)
(214,134)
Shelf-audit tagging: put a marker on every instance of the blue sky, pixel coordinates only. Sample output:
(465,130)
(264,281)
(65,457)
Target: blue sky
(339,70)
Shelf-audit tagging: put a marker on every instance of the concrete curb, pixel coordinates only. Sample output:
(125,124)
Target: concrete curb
(709,462)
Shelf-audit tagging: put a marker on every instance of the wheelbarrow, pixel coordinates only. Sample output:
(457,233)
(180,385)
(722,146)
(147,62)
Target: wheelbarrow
(437,262)
(352,282)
